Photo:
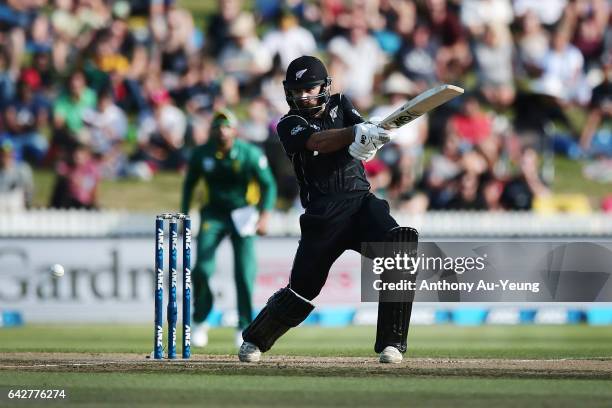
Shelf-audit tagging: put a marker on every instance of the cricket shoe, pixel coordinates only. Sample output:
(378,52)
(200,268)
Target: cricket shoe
(391,355)
(249,353)
(199,334)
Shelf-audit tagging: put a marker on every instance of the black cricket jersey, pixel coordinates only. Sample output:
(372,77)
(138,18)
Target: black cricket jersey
(321,176)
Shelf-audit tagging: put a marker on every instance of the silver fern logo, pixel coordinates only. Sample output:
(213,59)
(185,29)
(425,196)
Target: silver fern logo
(300,73)
(334,112)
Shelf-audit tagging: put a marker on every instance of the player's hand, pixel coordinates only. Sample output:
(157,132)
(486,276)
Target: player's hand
(360,152)
(262,223)
(370,135)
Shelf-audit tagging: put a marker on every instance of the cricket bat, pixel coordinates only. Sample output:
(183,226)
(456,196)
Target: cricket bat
(422,103)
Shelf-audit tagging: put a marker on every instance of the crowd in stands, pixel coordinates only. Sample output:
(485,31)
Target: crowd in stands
(103,89)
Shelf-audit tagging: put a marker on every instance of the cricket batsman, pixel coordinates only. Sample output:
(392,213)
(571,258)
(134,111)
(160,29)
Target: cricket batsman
(326,139)
(228,166)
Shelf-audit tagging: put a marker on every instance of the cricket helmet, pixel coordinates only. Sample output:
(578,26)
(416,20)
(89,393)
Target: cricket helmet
(307,72)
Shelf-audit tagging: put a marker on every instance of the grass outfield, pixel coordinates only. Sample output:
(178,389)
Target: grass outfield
(217,380)
(517,342)
(270,391)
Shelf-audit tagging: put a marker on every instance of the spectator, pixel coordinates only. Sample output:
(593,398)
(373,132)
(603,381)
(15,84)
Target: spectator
(519,192)
(400,17)
(469,195)
(200,93)
(25,116)
(74,25)
(78,177)
(564,63)
(255,128)
(390,21)
(161,135)
(107,124)
(42,64)
(589,39)
(443,169)
(454,55)
(70,107)
(335,19)
(472,125)
(282,169)
(476,15)
(40,35)
(16,183)
(533,43)
(244,57)
(379,176)
(15,18)
(218,33)
(130,42)
(289,40)
(493,57)
(273,92)
(417,57)
(200,87)
(7,79)
(177,47)
(362,58)
(596,136)
(548,12)
(587,20)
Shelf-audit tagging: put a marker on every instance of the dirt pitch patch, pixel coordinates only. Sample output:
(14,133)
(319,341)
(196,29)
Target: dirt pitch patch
(307,366)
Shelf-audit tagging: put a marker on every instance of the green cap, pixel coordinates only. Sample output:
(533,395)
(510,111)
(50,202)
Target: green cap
(224,117)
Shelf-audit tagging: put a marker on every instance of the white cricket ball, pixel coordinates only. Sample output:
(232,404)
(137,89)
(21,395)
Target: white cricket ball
(57,270)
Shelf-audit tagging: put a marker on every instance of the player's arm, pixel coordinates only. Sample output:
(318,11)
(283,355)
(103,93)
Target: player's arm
(266,181)
(296,135)
(267,185)
(330,140)
(191,179)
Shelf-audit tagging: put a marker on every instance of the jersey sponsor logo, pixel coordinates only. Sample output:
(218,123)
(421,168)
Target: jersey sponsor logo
(208,164)
(334,112)
(297,129)
(300,73)
(363,139)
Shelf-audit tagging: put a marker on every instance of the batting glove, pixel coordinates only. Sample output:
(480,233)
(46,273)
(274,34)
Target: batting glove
(371,135)
(360,152)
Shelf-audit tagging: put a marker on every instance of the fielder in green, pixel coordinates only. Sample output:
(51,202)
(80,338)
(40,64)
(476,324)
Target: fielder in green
(230,168)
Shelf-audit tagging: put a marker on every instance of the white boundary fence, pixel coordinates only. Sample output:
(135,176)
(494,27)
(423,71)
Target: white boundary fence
(76,223)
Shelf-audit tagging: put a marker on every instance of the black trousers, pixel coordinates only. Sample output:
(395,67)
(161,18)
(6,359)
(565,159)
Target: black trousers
(329,229)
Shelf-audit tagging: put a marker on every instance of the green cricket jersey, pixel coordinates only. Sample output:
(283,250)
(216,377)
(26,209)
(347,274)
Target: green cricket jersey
(228,176)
